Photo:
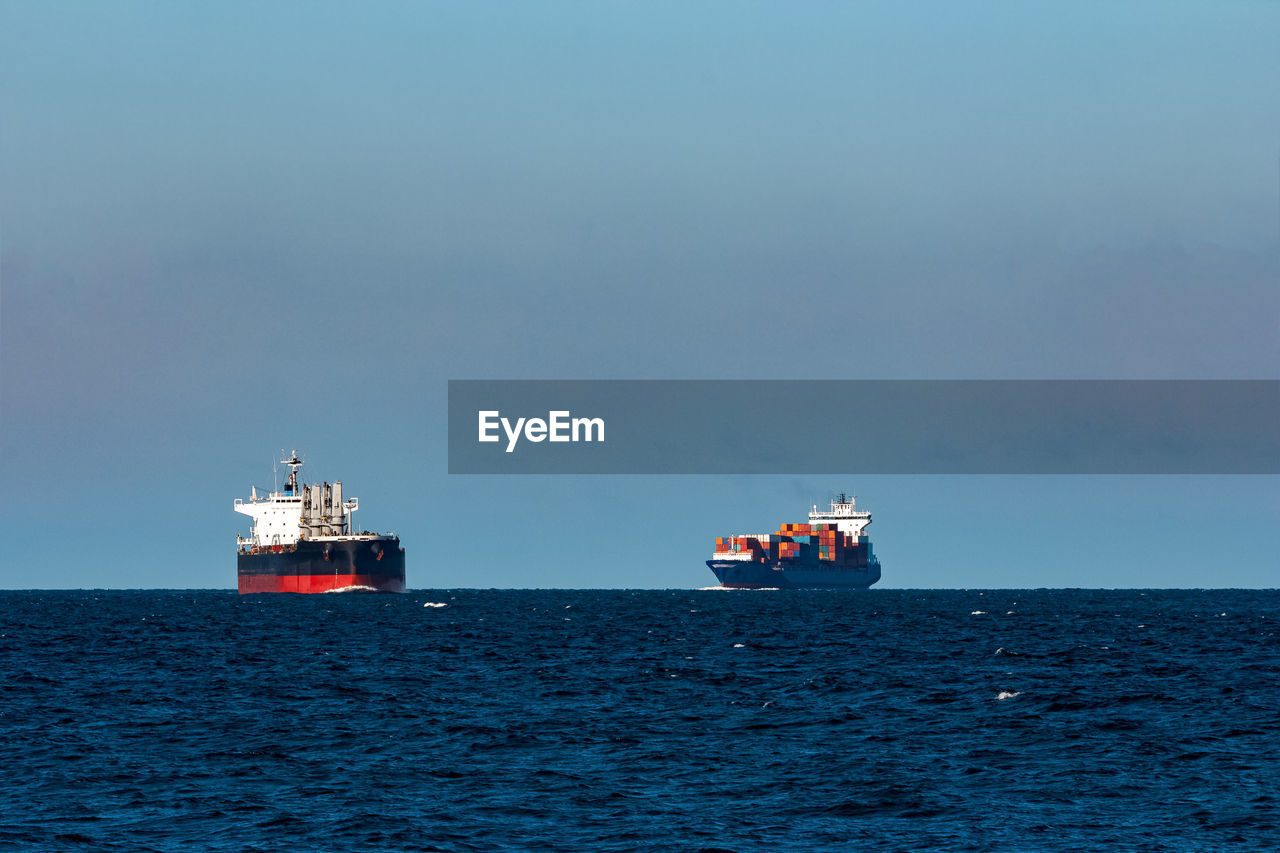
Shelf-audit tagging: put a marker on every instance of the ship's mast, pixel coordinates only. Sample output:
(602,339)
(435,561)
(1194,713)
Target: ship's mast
(293,462)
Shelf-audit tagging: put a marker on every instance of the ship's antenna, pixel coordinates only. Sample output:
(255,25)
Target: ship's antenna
(275,475)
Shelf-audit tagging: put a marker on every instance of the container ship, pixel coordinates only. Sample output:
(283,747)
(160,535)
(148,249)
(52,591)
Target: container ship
(303,540)
(831,551)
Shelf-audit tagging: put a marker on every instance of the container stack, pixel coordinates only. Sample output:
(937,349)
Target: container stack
(741,545)
(803,542)
(830,544)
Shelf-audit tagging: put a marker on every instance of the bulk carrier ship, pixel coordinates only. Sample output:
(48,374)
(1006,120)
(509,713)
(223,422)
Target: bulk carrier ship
(303,541)
(831,551)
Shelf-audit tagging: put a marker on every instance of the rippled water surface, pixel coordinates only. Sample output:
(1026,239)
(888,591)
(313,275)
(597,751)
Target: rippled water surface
(613,720)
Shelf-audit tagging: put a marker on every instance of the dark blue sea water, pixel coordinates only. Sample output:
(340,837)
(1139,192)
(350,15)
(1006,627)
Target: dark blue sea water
(657,720)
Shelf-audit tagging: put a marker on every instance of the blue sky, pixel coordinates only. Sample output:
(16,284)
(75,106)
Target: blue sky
(228,229)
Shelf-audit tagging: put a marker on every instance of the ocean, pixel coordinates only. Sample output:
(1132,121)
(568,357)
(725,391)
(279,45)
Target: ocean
(681,720)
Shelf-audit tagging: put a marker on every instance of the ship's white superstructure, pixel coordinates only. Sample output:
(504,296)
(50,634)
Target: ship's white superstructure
(315,511)
(844,514)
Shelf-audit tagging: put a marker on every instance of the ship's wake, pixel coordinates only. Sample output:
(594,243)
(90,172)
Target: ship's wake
(354,588)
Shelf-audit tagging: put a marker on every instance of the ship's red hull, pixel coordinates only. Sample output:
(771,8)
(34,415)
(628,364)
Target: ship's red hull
(318,583)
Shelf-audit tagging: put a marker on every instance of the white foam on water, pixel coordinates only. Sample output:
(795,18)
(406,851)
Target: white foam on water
(978,613)
(434,604)
(1005,694)
(736,589)
(739,645)
(354,588)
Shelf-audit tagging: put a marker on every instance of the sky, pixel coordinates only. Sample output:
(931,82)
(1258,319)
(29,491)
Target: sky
(231,229)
